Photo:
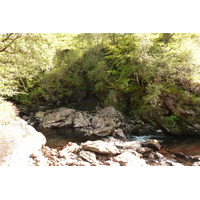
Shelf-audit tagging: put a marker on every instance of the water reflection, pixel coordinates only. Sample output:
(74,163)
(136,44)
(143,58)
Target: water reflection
(59,137)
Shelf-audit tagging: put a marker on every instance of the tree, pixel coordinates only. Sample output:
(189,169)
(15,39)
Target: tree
(23,57)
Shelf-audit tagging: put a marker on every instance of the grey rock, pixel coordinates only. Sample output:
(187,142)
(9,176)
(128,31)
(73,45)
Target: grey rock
(100,147)
(107,120)
(152,143)
(39,115)
(158,155)
(127,158)
(196,163)
(103,131)
(89,156)
(58,118)
(144,150)
(132,145)
(97,122)
(120,134)
(71,147)
(18,142)
(80,120)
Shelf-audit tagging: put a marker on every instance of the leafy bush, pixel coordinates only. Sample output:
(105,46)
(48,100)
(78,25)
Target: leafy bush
(171,122)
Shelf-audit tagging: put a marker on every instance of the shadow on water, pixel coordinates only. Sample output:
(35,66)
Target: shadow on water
(59,137)
(188,145)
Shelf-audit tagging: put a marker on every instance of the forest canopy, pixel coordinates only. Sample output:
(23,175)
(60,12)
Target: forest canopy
(135,72)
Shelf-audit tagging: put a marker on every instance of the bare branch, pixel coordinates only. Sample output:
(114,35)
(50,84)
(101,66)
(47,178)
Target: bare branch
(8,35)
(12,40)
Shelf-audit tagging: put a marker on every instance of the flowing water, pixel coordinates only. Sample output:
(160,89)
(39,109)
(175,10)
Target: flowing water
(58,137)
(188,145)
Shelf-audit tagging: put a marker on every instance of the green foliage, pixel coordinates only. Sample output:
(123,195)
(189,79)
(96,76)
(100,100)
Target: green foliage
(23,58)
(171,122)
(133,72)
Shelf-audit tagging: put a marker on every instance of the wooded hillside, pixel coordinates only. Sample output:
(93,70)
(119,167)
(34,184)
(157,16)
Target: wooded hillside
(154,76)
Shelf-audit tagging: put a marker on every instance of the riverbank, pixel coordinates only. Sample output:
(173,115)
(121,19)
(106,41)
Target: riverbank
(104,141)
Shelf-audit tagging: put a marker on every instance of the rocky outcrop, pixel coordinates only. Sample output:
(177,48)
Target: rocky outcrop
(91,153)
(17,142)
(106,122)
(58,118)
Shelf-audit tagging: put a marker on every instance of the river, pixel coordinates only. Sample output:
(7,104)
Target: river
(188,145)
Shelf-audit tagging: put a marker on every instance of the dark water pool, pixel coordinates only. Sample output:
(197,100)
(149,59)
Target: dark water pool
(189,146)
(59,137)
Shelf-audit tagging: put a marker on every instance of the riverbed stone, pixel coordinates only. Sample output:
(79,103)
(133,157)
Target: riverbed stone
(89,156)
(71,147)
(132,145)
(100,147)
(196,163)
(144,150)
(195,158)
(152,143)
(127,158)
(110,163)
(75,160)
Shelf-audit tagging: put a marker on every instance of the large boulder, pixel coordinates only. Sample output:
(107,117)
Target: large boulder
(107,120)
(18,142)
(59,118)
